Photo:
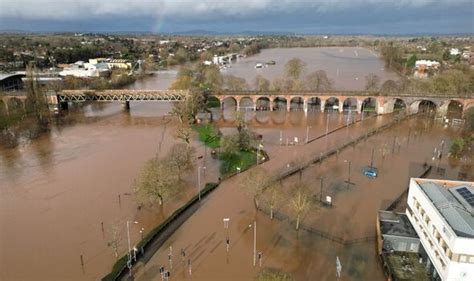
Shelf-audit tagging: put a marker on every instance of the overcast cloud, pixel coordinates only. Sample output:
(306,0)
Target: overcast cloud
(305,16)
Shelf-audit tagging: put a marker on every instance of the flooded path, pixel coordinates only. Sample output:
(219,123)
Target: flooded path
(303,254)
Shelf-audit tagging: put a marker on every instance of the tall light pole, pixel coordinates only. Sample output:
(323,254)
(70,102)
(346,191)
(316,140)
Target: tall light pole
(254,241)
(348,173)
(199,181)
(321,191)
(129,263)
(307,133)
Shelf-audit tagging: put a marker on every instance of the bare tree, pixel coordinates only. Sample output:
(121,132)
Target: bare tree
(261,83)
(255,182)
(300,201)
(389,87)
(187,109)
(114,239)
(273,195)
(184,133)
(234,83)
(181,158)
(294,68)
(372,82)
(318,81)
(156,183)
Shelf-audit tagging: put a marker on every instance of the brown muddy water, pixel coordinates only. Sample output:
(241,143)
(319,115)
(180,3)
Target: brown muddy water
(308,256)
(347,67)
(56,191)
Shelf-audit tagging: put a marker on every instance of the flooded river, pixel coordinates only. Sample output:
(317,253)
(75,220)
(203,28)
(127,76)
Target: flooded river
(60,194)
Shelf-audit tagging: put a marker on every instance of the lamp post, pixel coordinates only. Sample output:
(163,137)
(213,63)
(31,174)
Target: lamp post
(254,241)
(199,181)
(307,133)
(348,172)
(129,263)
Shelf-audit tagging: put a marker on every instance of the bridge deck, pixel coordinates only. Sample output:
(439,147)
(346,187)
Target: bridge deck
(126,95)
(122,95)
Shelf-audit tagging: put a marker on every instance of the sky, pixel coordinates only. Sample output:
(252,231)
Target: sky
(393,17)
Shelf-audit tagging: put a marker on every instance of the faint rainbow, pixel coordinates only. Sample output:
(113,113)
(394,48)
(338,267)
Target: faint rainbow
(159,17)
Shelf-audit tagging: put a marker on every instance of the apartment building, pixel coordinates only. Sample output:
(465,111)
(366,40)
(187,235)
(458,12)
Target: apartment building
(442,214)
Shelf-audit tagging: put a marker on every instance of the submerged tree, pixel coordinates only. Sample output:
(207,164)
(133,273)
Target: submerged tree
(294,68)
(181,158)
(300,201)
(372,82)
(261,83)
(184,133)
(318,81)
(156,183)
(187,110)
(255,182)
(36,104)
(273,195)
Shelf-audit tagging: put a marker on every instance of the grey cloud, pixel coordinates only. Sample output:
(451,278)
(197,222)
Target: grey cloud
(83,9)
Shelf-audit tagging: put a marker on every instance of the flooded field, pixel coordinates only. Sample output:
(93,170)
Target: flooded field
(347,67)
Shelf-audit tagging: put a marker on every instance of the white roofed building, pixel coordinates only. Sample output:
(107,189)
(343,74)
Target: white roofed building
(442,214)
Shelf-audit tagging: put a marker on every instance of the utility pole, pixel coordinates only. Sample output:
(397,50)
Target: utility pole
(254,242)
(321,190)
(372,158)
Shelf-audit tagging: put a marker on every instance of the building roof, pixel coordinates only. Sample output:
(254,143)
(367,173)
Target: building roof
(396,224)
(454,209)
(8,75)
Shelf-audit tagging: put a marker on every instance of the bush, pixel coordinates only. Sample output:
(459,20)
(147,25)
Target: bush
(243,160)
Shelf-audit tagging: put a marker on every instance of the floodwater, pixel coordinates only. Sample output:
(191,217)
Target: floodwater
(56,191)
(347,67)
(307,255)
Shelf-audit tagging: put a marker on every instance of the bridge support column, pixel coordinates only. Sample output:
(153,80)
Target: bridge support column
(341,106)
(288,105)
(126,105)
(63,105)
(305,107)
(323,105)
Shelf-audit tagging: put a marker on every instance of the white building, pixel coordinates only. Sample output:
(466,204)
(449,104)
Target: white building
(84,70)
(454,52)
(442,214)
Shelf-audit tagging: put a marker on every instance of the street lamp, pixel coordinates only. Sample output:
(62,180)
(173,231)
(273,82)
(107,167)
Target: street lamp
(307,133)
(129,263)
(348,173)
(199,181)
(254,241)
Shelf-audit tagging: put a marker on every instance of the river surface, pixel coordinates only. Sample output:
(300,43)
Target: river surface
(347,67)
(57,192)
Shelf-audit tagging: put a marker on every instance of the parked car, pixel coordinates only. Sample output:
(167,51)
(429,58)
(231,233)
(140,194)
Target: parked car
(370,172)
